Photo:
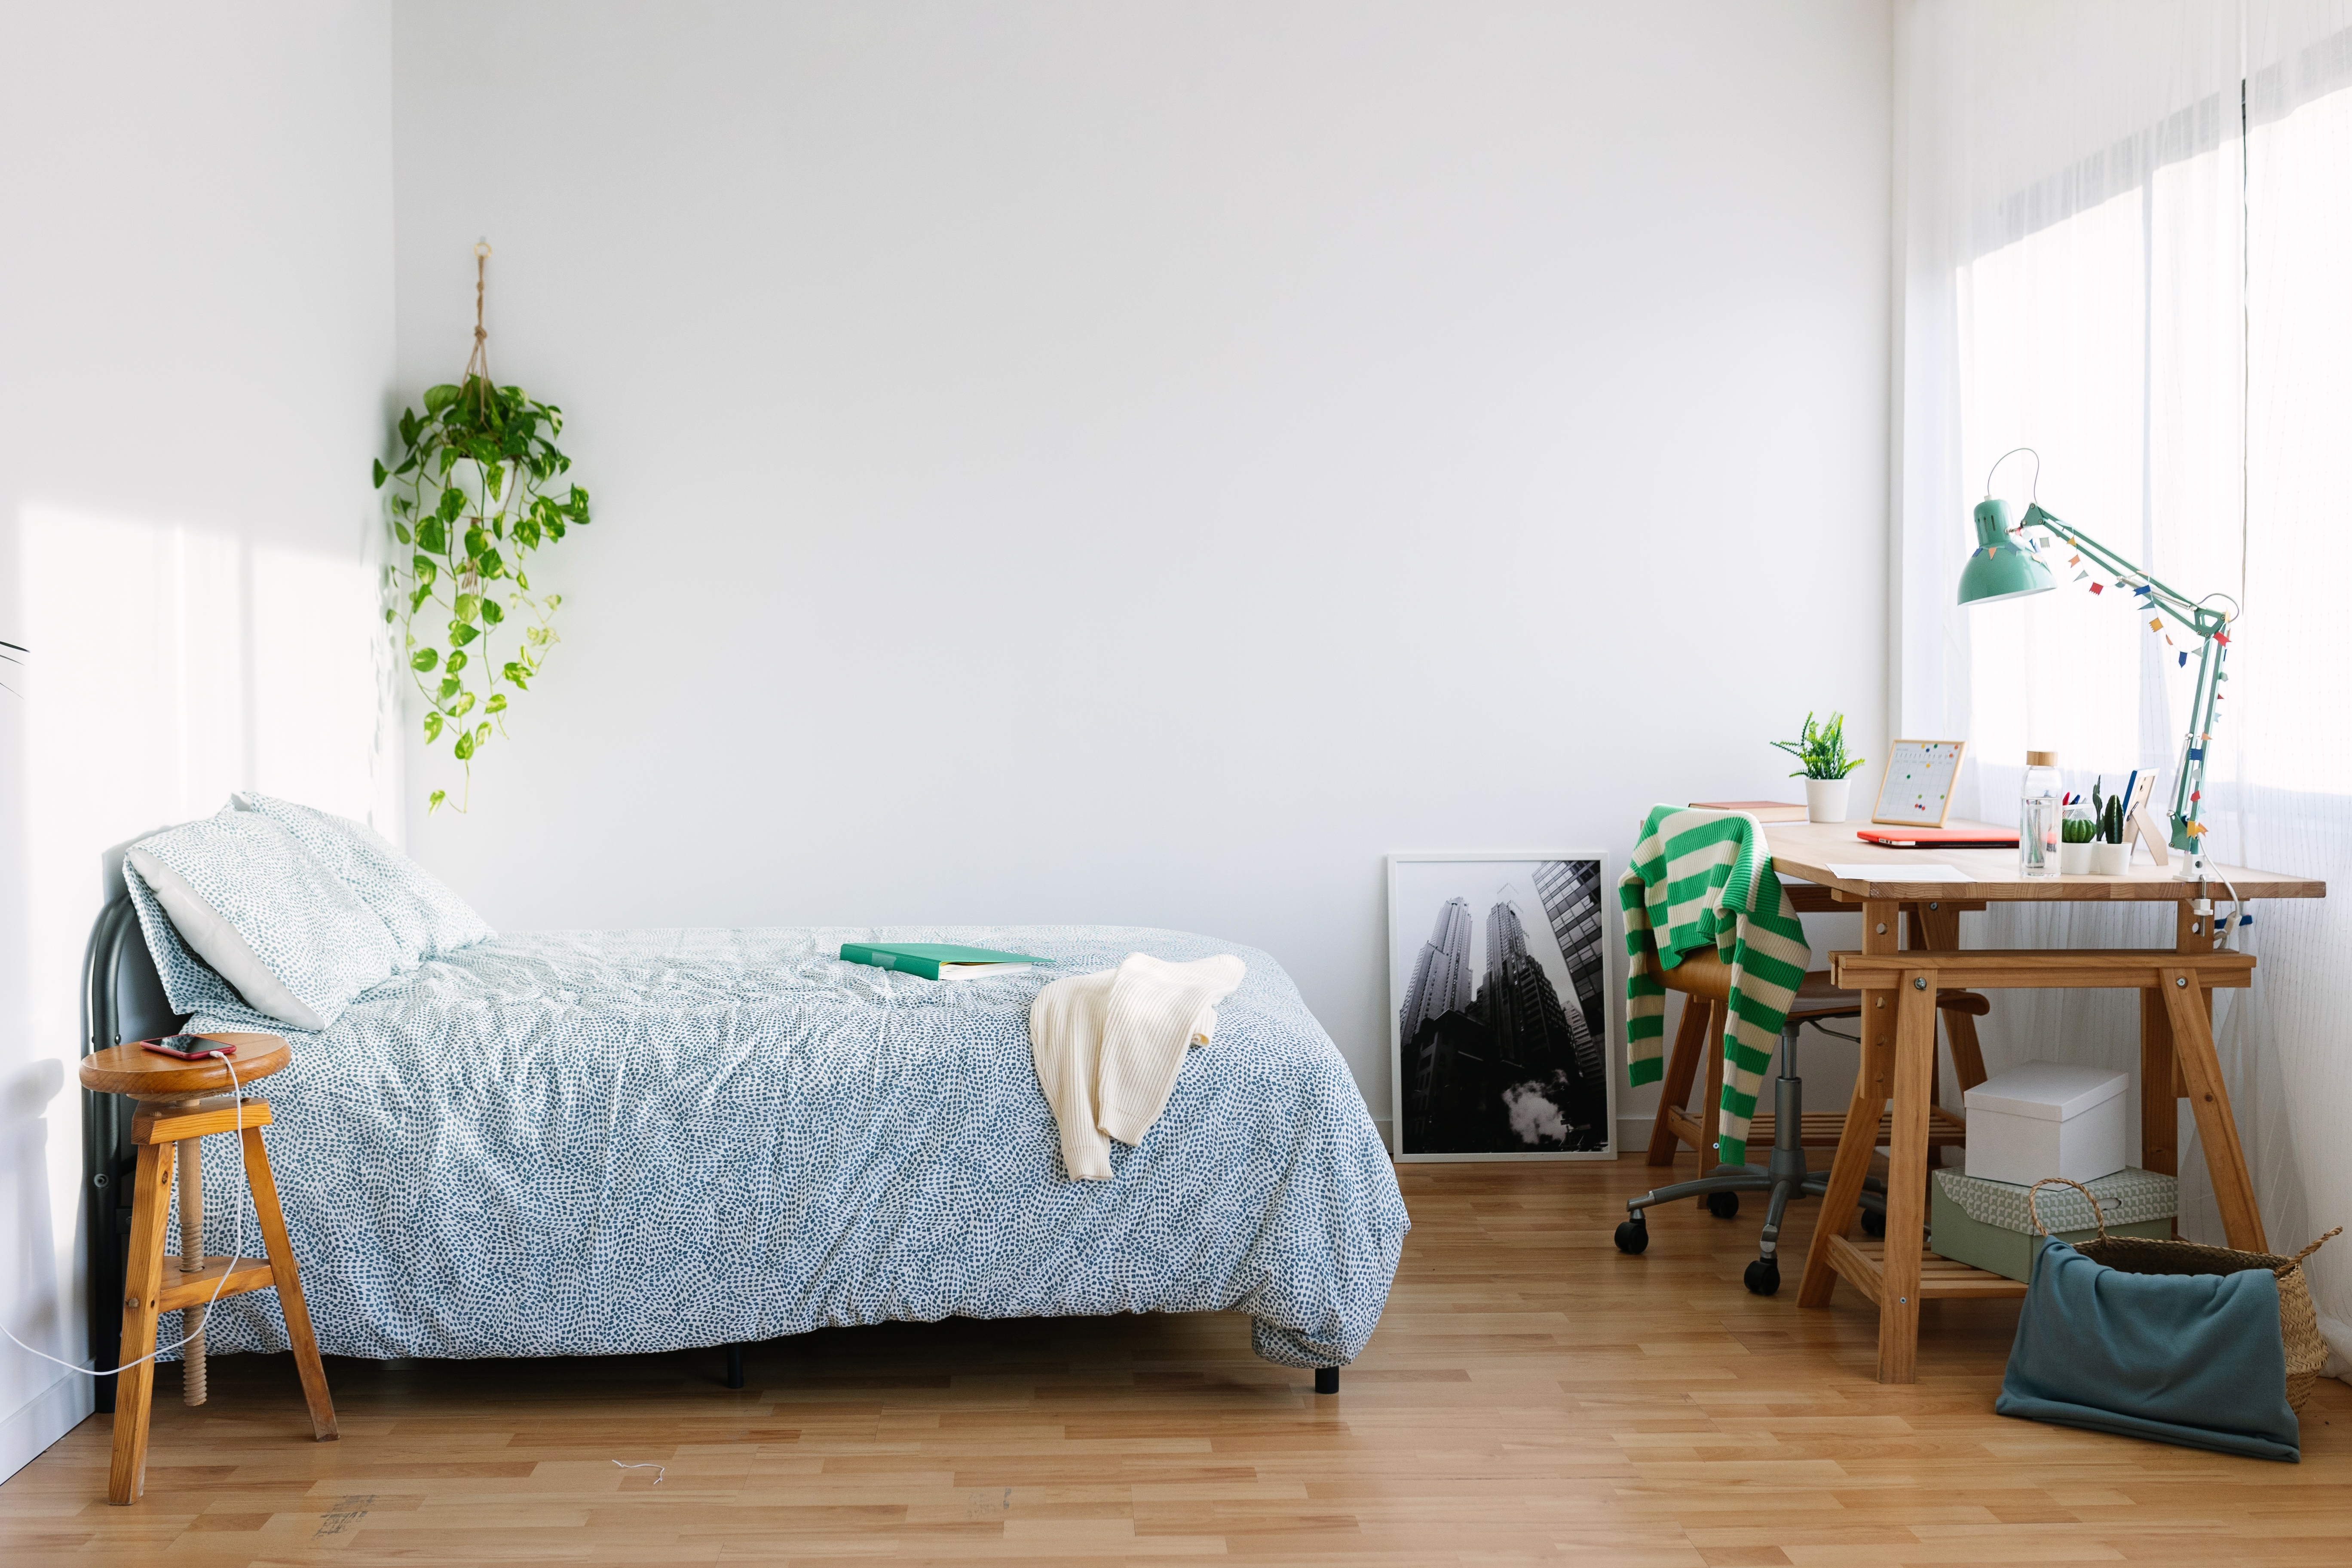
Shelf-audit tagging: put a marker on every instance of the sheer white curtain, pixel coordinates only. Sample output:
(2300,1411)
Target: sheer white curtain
(2125,228)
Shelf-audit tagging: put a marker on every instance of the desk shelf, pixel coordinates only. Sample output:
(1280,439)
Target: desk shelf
(1862,1264)
(1819,1130)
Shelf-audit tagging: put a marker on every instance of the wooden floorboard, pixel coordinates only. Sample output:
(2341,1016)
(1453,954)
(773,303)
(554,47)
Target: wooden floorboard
(1532,1396)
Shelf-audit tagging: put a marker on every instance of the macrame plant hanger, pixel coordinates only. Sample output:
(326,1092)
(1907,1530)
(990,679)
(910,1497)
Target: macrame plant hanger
(478,363)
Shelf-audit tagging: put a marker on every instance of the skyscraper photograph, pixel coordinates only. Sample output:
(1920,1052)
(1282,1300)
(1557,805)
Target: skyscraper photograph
(1500,971)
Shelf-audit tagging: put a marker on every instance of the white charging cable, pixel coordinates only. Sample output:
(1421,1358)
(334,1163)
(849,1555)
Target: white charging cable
(235,1252)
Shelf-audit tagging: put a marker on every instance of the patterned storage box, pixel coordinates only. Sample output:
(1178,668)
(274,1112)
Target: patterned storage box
(1987,1224)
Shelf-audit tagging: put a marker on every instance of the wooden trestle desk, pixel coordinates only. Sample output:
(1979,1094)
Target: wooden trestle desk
(1898,1042)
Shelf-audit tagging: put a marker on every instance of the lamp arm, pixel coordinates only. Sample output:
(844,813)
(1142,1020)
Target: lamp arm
(2188,773)
(2187,613)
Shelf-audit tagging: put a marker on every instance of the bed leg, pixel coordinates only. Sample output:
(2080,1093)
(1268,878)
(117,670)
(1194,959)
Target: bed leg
(1326,1380)
(734,1366)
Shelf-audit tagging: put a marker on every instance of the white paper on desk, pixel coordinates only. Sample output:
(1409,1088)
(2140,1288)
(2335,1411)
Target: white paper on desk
(1900,871)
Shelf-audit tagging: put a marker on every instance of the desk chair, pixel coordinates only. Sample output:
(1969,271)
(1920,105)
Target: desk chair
(1706,982)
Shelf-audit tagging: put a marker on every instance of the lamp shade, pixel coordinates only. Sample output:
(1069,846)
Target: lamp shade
(1998,569)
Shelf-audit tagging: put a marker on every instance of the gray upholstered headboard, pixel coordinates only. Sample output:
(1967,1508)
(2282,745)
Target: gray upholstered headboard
(122,1000)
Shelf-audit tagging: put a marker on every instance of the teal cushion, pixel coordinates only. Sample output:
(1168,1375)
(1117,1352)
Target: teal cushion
(2195,1360)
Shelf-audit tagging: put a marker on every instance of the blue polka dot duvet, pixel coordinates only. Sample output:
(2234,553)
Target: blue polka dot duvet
(575,1142)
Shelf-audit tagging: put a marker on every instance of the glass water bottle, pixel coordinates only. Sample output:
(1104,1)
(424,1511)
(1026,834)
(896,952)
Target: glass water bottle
(2040,809)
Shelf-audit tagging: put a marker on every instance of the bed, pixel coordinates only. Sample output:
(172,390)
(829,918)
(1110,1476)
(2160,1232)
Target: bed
(595,1143)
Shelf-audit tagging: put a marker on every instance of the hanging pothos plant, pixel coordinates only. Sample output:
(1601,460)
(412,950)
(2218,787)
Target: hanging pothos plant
(470,501)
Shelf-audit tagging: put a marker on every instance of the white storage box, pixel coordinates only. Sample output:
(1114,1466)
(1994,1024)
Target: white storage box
(2046,1118)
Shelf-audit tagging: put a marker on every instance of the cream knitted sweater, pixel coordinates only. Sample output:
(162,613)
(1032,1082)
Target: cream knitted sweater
(1108,1047)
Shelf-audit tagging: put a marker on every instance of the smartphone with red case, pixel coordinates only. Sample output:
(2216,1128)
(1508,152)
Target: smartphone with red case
(188,1048)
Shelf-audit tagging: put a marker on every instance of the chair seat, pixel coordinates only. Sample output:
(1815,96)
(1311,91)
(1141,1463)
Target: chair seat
(141,1074)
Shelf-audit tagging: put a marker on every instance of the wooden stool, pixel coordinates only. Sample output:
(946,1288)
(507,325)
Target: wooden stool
(1705,981)
(179,1103)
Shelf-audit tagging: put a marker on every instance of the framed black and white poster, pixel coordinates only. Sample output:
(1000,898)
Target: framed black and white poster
(1499,980)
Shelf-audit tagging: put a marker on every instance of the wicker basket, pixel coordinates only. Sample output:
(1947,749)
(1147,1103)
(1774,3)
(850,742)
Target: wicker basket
(2306,1353)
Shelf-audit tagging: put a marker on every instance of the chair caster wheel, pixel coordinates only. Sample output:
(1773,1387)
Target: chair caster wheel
(1763,1276)
(1633,1236)
(1874,1222)
(1723,1206)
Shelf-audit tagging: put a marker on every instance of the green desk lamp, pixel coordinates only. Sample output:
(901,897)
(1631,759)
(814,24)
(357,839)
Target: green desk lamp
(2006,566)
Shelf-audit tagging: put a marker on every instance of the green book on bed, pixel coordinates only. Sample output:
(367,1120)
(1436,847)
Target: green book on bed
(937,960)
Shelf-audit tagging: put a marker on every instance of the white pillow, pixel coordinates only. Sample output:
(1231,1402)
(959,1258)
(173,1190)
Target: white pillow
(425,917)
(293,941)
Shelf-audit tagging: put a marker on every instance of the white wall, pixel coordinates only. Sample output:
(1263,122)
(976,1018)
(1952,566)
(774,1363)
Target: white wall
(195,305)
(1145,463)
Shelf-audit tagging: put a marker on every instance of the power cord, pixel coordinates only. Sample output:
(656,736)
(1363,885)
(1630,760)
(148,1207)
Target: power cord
(235,1252)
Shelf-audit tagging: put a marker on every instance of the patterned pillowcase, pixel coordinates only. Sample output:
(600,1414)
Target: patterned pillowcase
(427,918)
(190,985)
(271,921)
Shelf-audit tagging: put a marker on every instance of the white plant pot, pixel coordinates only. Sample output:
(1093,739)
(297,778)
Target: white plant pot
(1826,799)
(2074,860)
(2110,859)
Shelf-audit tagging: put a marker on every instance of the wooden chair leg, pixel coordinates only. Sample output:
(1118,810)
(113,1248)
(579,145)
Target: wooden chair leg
(288,1282)
(1675,1091)
(1710,1120)
(1968,1059)
(143,1282)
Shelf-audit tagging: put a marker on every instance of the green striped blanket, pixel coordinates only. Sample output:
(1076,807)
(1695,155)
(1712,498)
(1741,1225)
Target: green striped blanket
(1704,879)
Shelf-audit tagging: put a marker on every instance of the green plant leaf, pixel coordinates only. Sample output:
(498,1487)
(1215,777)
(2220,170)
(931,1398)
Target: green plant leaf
(423,659)
(461,634)
(380,475)
(457,661)
(432,728)
(465,747)
(437,398)
(497,704)
(463,706)
(433,803)
(449,685)
(468,606)
(432,535)
(400,532)
(425,570)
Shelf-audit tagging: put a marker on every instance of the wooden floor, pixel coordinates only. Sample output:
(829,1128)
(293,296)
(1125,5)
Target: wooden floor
(1532,1396)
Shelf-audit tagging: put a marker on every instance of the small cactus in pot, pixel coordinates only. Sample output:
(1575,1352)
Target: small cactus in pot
(2110,855)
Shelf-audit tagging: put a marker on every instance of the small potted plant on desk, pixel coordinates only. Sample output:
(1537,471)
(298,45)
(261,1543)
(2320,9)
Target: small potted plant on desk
(2110,855)
(1823,751)
(2076,833)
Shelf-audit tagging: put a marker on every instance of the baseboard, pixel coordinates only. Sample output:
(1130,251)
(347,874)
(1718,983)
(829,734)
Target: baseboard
(42,1420)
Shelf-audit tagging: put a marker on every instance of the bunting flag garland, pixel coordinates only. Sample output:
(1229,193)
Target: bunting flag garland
(2184,656)
(2098,587)
(2155,624)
